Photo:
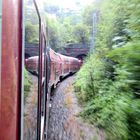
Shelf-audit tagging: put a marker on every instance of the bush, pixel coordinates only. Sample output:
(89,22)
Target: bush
(108,105)
(112,102)
(89,81)
(134,120)
(128,67)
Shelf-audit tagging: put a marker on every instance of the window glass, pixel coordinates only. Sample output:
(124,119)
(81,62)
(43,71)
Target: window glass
(31,51)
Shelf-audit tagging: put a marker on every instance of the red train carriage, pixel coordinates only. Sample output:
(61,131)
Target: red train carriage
(65,65)
(60,66)
(55,70)
(75,64)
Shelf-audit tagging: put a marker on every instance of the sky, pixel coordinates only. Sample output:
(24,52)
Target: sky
(71,4)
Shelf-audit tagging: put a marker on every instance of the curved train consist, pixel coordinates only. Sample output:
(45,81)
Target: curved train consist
(16,16)
(59,66)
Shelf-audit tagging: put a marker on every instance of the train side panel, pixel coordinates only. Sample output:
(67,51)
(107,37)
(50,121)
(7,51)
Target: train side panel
(65,65)
(10,70)
(56,69)
(74,64)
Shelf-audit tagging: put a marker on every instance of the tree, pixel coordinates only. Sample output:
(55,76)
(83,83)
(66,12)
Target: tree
(81,33)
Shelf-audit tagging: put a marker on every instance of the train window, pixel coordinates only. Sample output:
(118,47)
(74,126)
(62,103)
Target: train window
(31,52)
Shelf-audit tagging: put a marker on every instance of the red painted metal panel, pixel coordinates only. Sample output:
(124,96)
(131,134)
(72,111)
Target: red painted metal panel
(11,70)
(31,64)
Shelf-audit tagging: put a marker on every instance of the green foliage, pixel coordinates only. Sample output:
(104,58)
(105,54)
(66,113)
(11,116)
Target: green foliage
(59,33)
(89,80)
(31,22)
(128,68)
(89,10)
(81,33)
(106,103)
(109,111)
(134,20)
(108,84)
(134,120)
(67,31)
(32,33)
(54,33)
(27,84)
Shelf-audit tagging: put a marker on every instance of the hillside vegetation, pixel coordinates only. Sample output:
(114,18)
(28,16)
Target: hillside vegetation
(108,84)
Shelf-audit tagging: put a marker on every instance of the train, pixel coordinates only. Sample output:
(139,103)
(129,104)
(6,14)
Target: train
(59,66)
(22,23)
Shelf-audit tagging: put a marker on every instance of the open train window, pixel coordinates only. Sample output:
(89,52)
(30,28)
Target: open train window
(30,90)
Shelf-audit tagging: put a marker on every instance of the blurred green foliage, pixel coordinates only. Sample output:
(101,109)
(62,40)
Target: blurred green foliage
(66,30)
(27,84)
(108,84)
(31,23)
(31,33)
